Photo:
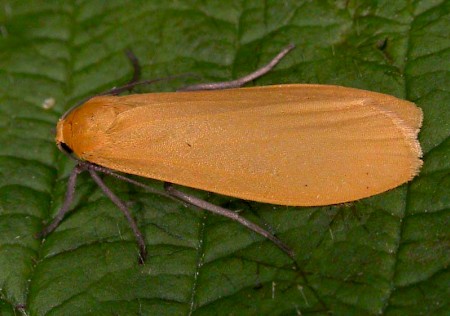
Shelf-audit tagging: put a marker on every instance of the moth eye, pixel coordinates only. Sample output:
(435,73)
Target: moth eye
(65,147)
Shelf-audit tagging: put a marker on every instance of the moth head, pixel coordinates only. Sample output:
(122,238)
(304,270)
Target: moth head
(83,129)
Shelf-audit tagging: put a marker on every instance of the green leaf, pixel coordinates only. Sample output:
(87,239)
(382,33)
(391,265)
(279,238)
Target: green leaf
(386,254)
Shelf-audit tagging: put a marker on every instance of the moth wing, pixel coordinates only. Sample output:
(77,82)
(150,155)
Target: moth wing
(289,144)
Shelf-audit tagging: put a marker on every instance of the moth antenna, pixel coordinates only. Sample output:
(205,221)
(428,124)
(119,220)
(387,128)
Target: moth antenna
(170,191)
(243,80)
(202,204)
(179,196)
(129,180)
(118,90)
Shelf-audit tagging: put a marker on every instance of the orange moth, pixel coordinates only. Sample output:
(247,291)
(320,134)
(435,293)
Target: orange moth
(292,144)
(299,144)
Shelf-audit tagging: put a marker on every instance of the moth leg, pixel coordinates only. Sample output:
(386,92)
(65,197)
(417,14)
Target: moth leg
(227,213)
(134,81)
(243,80)
(66,204)
(136,66)
(121,205)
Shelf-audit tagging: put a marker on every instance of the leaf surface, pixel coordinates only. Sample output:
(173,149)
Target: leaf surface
(386,254)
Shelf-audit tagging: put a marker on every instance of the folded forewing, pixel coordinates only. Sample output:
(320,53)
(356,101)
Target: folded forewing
(289,144)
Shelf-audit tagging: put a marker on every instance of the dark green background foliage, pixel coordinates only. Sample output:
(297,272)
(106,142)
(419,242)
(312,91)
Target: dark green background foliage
(385,254)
